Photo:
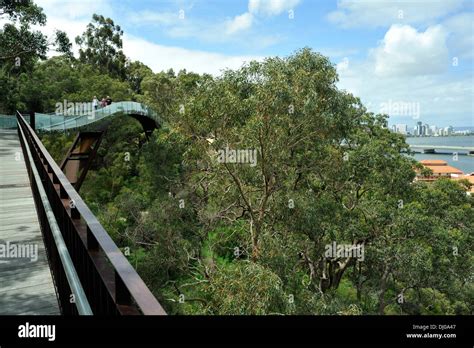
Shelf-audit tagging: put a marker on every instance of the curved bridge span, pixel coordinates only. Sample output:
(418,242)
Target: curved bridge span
(148,118)
(75,119)
(78,117)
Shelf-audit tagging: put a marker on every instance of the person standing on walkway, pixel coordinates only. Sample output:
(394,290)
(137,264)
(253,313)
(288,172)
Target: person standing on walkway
(108,100)
(95,103)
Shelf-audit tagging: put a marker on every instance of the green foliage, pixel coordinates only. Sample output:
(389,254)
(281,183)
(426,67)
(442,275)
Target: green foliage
(57,144)
(227,243)
(116,162)
(20,49)
(101,46)
(59,79)
(64,44)
(247,288)
(26,12)
(136,72)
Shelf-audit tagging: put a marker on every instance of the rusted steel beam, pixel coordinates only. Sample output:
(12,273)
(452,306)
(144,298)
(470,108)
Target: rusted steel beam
(80,156)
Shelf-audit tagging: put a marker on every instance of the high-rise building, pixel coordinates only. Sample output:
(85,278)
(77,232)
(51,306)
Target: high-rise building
(426,130)
(419,129)
(448,130)
(401,128)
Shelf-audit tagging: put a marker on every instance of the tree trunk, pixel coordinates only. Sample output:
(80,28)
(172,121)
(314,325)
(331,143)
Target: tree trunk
(383,288)
(254,232)
(331,274)
(359,282)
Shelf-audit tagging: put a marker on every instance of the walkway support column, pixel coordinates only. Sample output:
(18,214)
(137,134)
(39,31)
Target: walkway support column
(33,120)
(79,158)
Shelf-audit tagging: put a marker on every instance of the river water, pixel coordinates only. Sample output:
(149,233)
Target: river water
(464,163)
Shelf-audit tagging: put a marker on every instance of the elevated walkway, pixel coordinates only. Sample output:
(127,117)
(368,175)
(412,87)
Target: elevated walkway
(55,256)
(78,117)
(26,283)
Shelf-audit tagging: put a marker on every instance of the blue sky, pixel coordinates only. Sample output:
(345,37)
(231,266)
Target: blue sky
(397,53)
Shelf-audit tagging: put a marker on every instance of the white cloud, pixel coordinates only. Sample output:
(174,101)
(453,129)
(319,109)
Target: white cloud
(72,28)
(219,30)
(256,8)
(155,18)
(411,66)
(239,23)
(364,13)
(405,51)
(443,99)
(160,57)
(72,16)
(343,65)
(74,9)
(271,7)
(191,27)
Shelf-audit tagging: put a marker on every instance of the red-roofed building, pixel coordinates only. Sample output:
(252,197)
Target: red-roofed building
(433,162)
(440,169)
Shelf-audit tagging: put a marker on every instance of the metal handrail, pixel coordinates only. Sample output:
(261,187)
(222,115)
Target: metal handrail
(103,269)
(82,304)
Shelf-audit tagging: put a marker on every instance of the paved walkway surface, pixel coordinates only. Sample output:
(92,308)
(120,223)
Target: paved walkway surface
(26,284)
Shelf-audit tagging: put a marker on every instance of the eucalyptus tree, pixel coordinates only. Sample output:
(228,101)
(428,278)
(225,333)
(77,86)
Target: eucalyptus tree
(327,171)
(21,46)
(101,46)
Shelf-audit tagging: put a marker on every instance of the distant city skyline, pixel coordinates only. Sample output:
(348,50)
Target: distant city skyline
(413,124)
(422,129)
(468,123)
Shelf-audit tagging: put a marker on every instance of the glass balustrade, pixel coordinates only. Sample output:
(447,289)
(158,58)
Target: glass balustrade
(58,122)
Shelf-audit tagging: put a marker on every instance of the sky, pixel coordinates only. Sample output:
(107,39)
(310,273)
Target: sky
(411,59)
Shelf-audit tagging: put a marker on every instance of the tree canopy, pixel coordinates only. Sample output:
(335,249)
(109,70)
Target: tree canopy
(101,46)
